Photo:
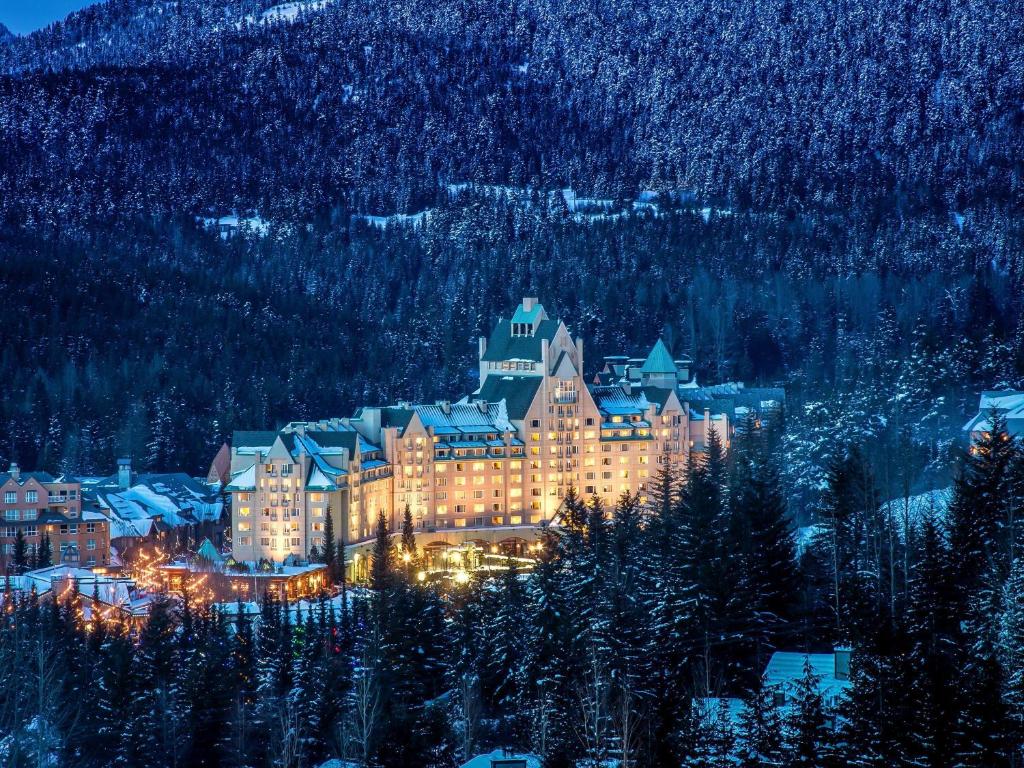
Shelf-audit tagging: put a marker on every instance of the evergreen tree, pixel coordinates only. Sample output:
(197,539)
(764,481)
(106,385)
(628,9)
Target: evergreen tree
(984,731)
(668,597)
(808,737)
(872,722)
(935,652)
(554,660)
(507,658)
(330,547)
(382,561)
(408,534)
(760,729)
(44,554)
(981,510)
(19,558)
(1010,652)
(153,732)
(705,563)
(759,541)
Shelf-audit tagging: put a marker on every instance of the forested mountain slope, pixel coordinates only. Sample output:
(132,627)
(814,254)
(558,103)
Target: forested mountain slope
(363,105)
(839,211)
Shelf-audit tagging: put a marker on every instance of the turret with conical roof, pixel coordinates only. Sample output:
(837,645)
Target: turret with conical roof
(659,369)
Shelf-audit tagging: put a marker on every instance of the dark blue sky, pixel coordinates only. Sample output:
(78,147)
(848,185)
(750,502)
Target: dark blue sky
(22,16)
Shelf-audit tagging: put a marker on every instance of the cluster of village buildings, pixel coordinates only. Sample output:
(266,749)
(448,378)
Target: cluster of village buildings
(489,470)
(95,522)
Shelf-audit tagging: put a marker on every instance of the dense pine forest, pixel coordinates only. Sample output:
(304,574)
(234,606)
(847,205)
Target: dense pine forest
(631,618)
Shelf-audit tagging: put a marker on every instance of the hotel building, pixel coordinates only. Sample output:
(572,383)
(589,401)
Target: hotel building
(500,458)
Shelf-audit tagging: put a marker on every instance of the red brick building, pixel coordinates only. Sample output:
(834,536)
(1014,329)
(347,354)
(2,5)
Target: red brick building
(40,505)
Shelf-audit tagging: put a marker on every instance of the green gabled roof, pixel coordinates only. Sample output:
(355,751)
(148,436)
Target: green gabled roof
(658,396)
(504,346)
(254,439)
(209,552)
(396,417)
(659,360)
(518,393)
(522,316)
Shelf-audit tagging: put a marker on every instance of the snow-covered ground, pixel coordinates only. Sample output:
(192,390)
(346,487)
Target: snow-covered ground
(288,12)
(914,510)
(396,219)
(910,512)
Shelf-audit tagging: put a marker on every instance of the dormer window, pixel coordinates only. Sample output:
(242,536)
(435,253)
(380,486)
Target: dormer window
(522,329)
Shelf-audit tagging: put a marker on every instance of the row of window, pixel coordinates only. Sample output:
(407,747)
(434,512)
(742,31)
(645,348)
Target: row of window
(11,497)
(69,529)
(21,514)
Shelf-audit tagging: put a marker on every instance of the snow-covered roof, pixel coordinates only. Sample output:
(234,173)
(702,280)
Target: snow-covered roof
(175,498)
(786,668)
(243,481)
(486,760)
(318,481)
(1007,402)
(467,418)
(109,590)
(616,401)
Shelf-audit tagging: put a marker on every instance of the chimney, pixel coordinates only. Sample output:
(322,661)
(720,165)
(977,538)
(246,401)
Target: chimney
(445,405)
(15,471)
(528,304)
(482,405)
(124,473)
(842,662)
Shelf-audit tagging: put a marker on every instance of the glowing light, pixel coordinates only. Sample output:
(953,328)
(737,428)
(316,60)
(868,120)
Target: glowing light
(406,557)
(461,577)
(421,576)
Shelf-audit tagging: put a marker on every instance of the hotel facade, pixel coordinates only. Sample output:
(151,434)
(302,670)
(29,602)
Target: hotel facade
(501,458)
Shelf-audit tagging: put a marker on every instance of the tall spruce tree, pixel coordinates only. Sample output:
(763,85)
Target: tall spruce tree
(760,729)
(982,508)
(809,739)
(408,534)
(935,650)
(44,553)
(330,551)
(19,558)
